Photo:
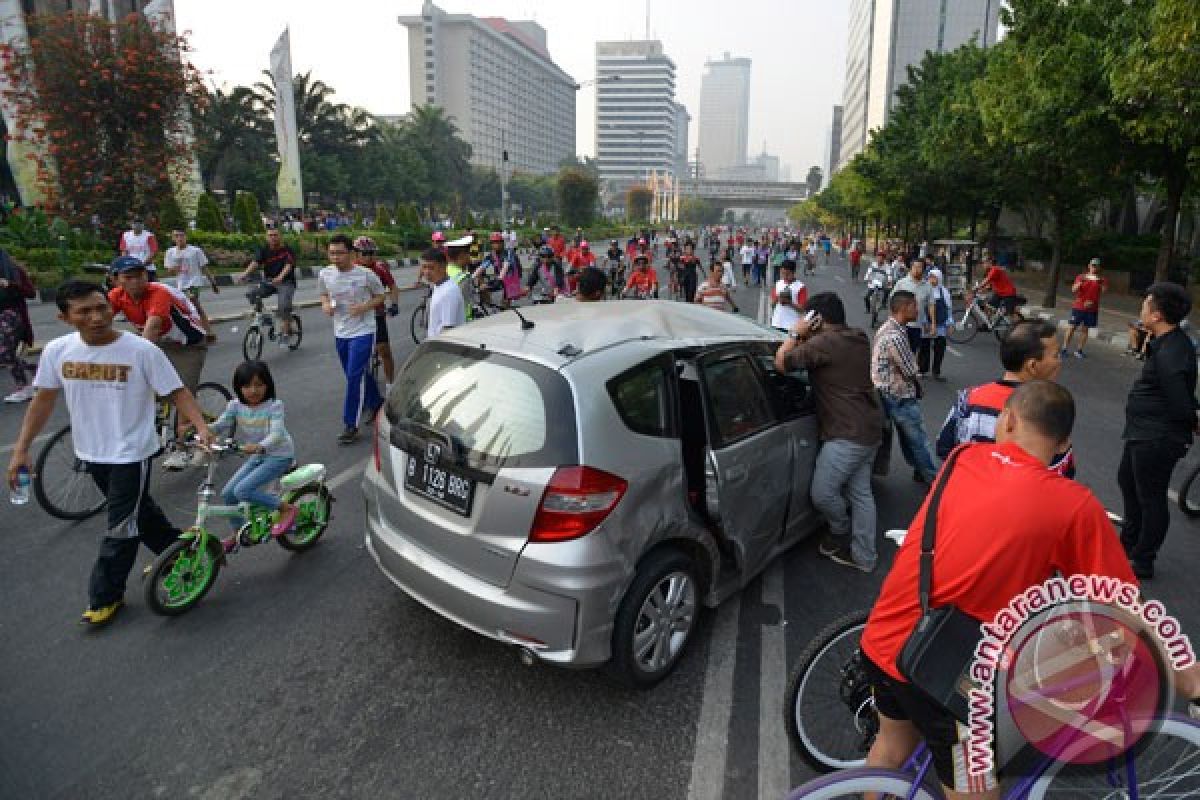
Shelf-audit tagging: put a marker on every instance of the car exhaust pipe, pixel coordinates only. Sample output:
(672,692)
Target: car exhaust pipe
(526,656)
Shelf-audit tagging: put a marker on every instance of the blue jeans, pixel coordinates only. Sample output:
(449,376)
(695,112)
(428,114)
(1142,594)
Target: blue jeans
(843,474)
(910,430)
(361,391)
(246,485)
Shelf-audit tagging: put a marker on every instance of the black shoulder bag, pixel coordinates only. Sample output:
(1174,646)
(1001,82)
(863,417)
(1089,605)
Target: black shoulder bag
(938,654)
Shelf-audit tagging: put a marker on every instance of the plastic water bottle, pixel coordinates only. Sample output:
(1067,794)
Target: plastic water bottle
(20,488)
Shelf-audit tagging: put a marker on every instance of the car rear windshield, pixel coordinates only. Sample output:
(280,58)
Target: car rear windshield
(495,410)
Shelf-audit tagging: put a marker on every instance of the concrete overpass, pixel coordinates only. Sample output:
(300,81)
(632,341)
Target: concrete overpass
(745,194)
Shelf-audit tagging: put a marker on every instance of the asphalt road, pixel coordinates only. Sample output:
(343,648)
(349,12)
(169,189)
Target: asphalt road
(312,676)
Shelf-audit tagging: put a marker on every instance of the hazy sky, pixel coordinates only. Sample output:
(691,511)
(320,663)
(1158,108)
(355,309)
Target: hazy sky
(356,46)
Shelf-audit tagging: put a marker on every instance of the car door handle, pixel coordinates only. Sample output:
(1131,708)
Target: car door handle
(735,474)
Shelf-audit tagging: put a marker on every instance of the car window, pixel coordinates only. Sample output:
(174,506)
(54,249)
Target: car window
(496,410)
(791,392)
(642,398)
(738,405)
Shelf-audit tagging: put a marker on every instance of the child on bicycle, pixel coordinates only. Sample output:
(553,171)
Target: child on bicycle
(255,419)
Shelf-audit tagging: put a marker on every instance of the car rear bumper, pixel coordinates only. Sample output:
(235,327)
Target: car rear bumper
(543,622)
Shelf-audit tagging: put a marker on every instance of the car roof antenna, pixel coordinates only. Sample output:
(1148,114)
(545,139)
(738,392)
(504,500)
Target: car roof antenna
(526,325)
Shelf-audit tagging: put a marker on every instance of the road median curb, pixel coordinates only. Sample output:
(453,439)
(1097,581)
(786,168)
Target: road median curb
(1116,339)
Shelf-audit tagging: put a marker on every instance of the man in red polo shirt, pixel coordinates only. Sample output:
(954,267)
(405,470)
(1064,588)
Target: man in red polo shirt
(1049,524)
(1085,311)
(166,317)
(1003,291)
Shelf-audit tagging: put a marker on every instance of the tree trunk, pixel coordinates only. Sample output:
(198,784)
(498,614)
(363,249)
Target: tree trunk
(925,226)
(1050,299)
(993,227)
(1176,179)
(974,224)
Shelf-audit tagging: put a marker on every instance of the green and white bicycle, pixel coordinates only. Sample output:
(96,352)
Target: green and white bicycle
(183,573)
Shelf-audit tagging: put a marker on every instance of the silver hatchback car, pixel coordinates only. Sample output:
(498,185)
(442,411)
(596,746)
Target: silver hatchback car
(577,485)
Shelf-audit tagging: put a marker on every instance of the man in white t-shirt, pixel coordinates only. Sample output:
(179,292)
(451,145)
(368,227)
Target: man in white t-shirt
(446,306)
(141,244)
(747,253)
(350,294)
(110,380)
(190,266)
(789,297)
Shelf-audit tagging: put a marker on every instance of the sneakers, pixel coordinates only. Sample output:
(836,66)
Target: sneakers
(286,521)
(177,460)
(347,436)
(95,617)
(844,557)
(1079,354)
(22,395)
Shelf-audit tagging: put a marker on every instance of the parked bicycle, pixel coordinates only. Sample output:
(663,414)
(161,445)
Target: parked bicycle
(262,324)
(183,573)
(977,315)
(61,482)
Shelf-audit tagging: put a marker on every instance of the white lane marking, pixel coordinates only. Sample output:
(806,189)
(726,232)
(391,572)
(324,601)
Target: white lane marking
(712,726)
(8,448)
(762,308)
(345,476)
(774,756)
(953,352)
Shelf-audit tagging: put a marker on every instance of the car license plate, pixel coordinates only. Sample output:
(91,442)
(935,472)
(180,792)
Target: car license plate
(439,485)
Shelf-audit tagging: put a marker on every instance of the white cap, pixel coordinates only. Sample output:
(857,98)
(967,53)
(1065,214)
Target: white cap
(464,241)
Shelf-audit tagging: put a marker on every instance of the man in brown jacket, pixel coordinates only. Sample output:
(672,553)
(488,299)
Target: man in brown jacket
(838,360)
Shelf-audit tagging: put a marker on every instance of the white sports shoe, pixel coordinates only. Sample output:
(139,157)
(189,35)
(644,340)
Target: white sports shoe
(23,395)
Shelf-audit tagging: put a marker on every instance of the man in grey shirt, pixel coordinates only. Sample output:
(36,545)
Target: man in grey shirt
(916,283)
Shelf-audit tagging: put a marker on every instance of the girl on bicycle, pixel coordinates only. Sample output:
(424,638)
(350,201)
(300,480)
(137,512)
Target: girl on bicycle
(255,419)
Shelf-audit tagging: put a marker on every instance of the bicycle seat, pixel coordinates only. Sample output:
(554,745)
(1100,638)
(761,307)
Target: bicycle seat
(309,473)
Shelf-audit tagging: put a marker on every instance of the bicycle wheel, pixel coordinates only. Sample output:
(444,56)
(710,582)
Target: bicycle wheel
(853,783)
(314,509)
(965,326)
(252,343)
(1165,765)
(827,709)
(294,338)
(1002,327)
(212,399)
(420,323)
(182,574)
(1189,494)
(61,482)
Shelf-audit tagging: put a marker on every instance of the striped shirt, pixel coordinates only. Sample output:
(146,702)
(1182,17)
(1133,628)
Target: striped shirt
(714,296)
(261,424)
(893,367)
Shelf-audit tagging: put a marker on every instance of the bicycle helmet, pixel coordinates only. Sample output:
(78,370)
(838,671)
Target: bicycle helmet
(584,245)
(496,236)
(438,236)
(365,244)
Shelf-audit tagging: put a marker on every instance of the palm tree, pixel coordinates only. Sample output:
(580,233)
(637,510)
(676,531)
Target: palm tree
(226,124)
(435,139)
(322,125)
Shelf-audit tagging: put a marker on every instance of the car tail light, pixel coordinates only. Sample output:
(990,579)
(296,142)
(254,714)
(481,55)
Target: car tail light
(576,500)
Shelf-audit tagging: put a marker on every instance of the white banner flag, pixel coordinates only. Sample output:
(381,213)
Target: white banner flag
(24,169)
(288,186)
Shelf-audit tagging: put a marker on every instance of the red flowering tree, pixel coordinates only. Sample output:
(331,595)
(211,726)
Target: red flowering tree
(105,106)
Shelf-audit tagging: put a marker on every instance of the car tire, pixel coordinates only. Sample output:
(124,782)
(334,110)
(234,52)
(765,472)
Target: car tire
(666,581)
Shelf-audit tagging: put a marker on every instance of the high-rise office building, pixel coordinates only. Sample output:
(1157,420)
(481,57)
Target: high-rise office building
(834,156)
(682,120)
(636,113)
(886,37)
(724,114)
(489,73)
